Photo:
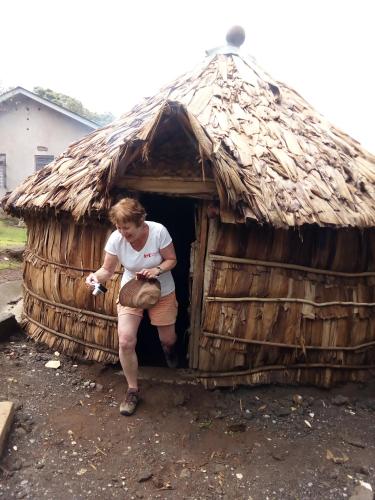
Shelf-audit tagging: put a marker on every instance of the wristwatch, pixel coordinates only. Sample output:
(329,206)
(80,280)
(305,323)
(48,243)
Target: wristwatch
(160,270)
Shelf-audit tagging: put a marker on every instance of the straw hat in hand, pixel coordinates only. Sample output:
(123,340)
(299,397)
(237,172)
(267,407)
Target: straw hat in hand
(140,293)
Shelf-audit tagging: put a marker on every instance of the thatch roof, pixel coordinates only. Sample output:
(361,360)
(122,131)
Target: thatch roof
(274,158)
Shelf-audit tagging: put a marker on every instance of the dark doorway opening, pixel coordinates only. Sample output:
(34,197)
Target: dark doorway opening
(178,216)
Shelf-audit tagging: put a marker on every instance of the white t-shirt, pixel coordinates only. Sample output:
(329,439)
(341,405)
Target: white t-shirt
(133,261)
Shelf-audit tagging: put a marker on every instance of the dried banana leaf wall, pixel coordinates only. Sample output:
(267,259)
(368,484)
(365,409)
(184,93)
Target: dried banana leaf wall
(288,306)
(58,308)
(279,306)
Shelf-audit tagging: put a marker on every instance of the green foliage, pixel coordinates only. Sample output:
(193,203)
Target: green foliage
(11,236)
(74,105)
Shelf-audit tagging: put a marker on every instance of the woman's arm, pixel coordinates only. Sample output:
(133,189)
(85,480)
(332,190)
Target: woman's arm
(105,272)
(170,260)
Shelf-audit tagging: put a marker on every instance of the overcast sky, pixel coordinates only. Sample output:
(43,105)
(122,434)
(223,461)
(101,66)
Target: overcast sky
(109,54)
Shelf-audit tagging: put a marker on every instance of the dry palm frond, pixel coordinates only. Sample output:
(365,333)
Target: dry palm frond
(275,159)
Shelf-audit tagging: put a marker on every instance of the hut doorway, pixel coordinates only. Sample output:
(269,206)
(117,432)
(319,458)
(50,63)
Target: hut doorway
(178,216)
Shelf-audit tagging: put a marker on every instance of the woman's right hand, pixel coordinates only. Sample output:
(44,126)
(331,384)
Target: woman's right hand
(91,280)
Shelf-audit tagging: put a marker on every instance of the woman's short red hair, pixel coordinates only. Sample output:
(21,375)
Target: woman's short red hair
(127,210)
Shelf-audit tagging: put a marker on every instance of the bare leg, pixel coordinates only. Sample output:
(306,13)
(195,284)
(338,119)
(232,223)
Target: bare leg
(127,334)
(167,336)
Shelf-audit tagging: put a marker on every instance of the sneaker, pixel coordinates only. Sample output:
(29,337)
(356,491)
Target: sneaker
(171,357)
(128,406)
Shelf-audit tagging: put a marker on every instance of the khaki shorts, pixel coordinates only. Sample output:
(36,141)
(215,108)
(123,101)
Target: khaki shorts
(161,314)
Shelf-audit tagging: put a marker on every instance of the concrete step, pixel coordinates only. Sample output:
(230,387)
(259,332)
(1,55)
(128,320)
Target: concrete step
(6,419)
(10,298)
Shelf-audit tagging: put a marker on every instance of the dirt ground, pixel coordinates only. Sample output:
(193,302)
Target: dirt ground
(68,440)
(13,260)
(7,275)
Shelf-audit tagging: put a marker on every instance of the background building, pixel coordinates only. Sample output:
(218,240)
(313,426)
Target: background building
(33,131)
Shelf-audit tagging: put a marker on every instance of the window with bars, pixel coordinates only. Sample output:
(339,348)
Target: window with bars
(3,170)
(42,160)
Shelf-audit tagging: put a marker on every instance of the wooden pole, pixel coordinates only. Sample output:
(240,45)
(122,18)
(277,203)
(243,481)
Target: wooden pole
(197,288)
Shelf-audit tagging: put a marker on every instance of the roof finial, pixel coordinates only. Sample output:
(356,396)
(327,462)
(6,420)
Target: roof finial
(236,36)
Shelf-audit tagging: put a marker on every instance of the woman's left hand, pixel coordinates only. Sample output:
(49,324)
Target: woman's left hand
(148,273)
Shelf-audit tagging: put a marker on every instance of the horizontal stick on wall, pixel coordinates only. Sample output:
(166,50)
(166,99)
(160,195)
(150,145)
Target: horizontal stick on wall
(294,267)
(283,367)
(289,299)
(290,346)
(60,264)
(68,337)
(70,308)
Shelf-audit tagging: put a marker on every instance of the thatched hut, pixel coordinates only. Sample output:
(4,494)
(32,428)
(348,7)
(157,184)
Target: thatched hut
(280,287)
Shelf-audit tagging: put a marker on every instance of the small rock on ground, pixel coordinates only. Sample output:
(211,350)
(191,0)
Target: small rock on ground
(144,476)
(185,474)
(360,492)
(283,412)
(340,400)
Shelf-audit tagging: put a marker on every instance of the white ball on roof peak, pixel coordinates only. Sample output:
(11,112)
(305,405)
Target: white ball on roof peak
(236,36)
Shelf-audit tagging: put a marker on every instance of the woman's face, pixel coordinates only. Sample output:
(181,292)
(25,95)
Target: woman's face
(130,231)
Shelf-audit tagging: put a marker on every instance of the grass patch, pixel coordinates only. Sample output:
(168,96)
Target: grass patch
(11,236)
(10,264)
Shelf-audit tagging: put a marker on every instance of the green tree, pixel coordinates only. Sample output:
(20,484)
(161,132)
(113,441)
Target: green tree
(74,105)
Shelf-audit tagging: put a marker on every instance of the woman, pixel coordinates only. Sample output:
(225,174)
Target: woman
(144,248)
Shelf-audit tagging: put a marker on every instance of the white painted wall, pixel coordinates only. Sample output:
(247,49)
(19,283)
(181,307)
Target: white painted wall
(25,125)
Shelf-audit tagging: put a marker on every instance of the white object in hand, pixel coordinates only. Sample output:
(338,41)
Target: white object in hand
(99,289)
